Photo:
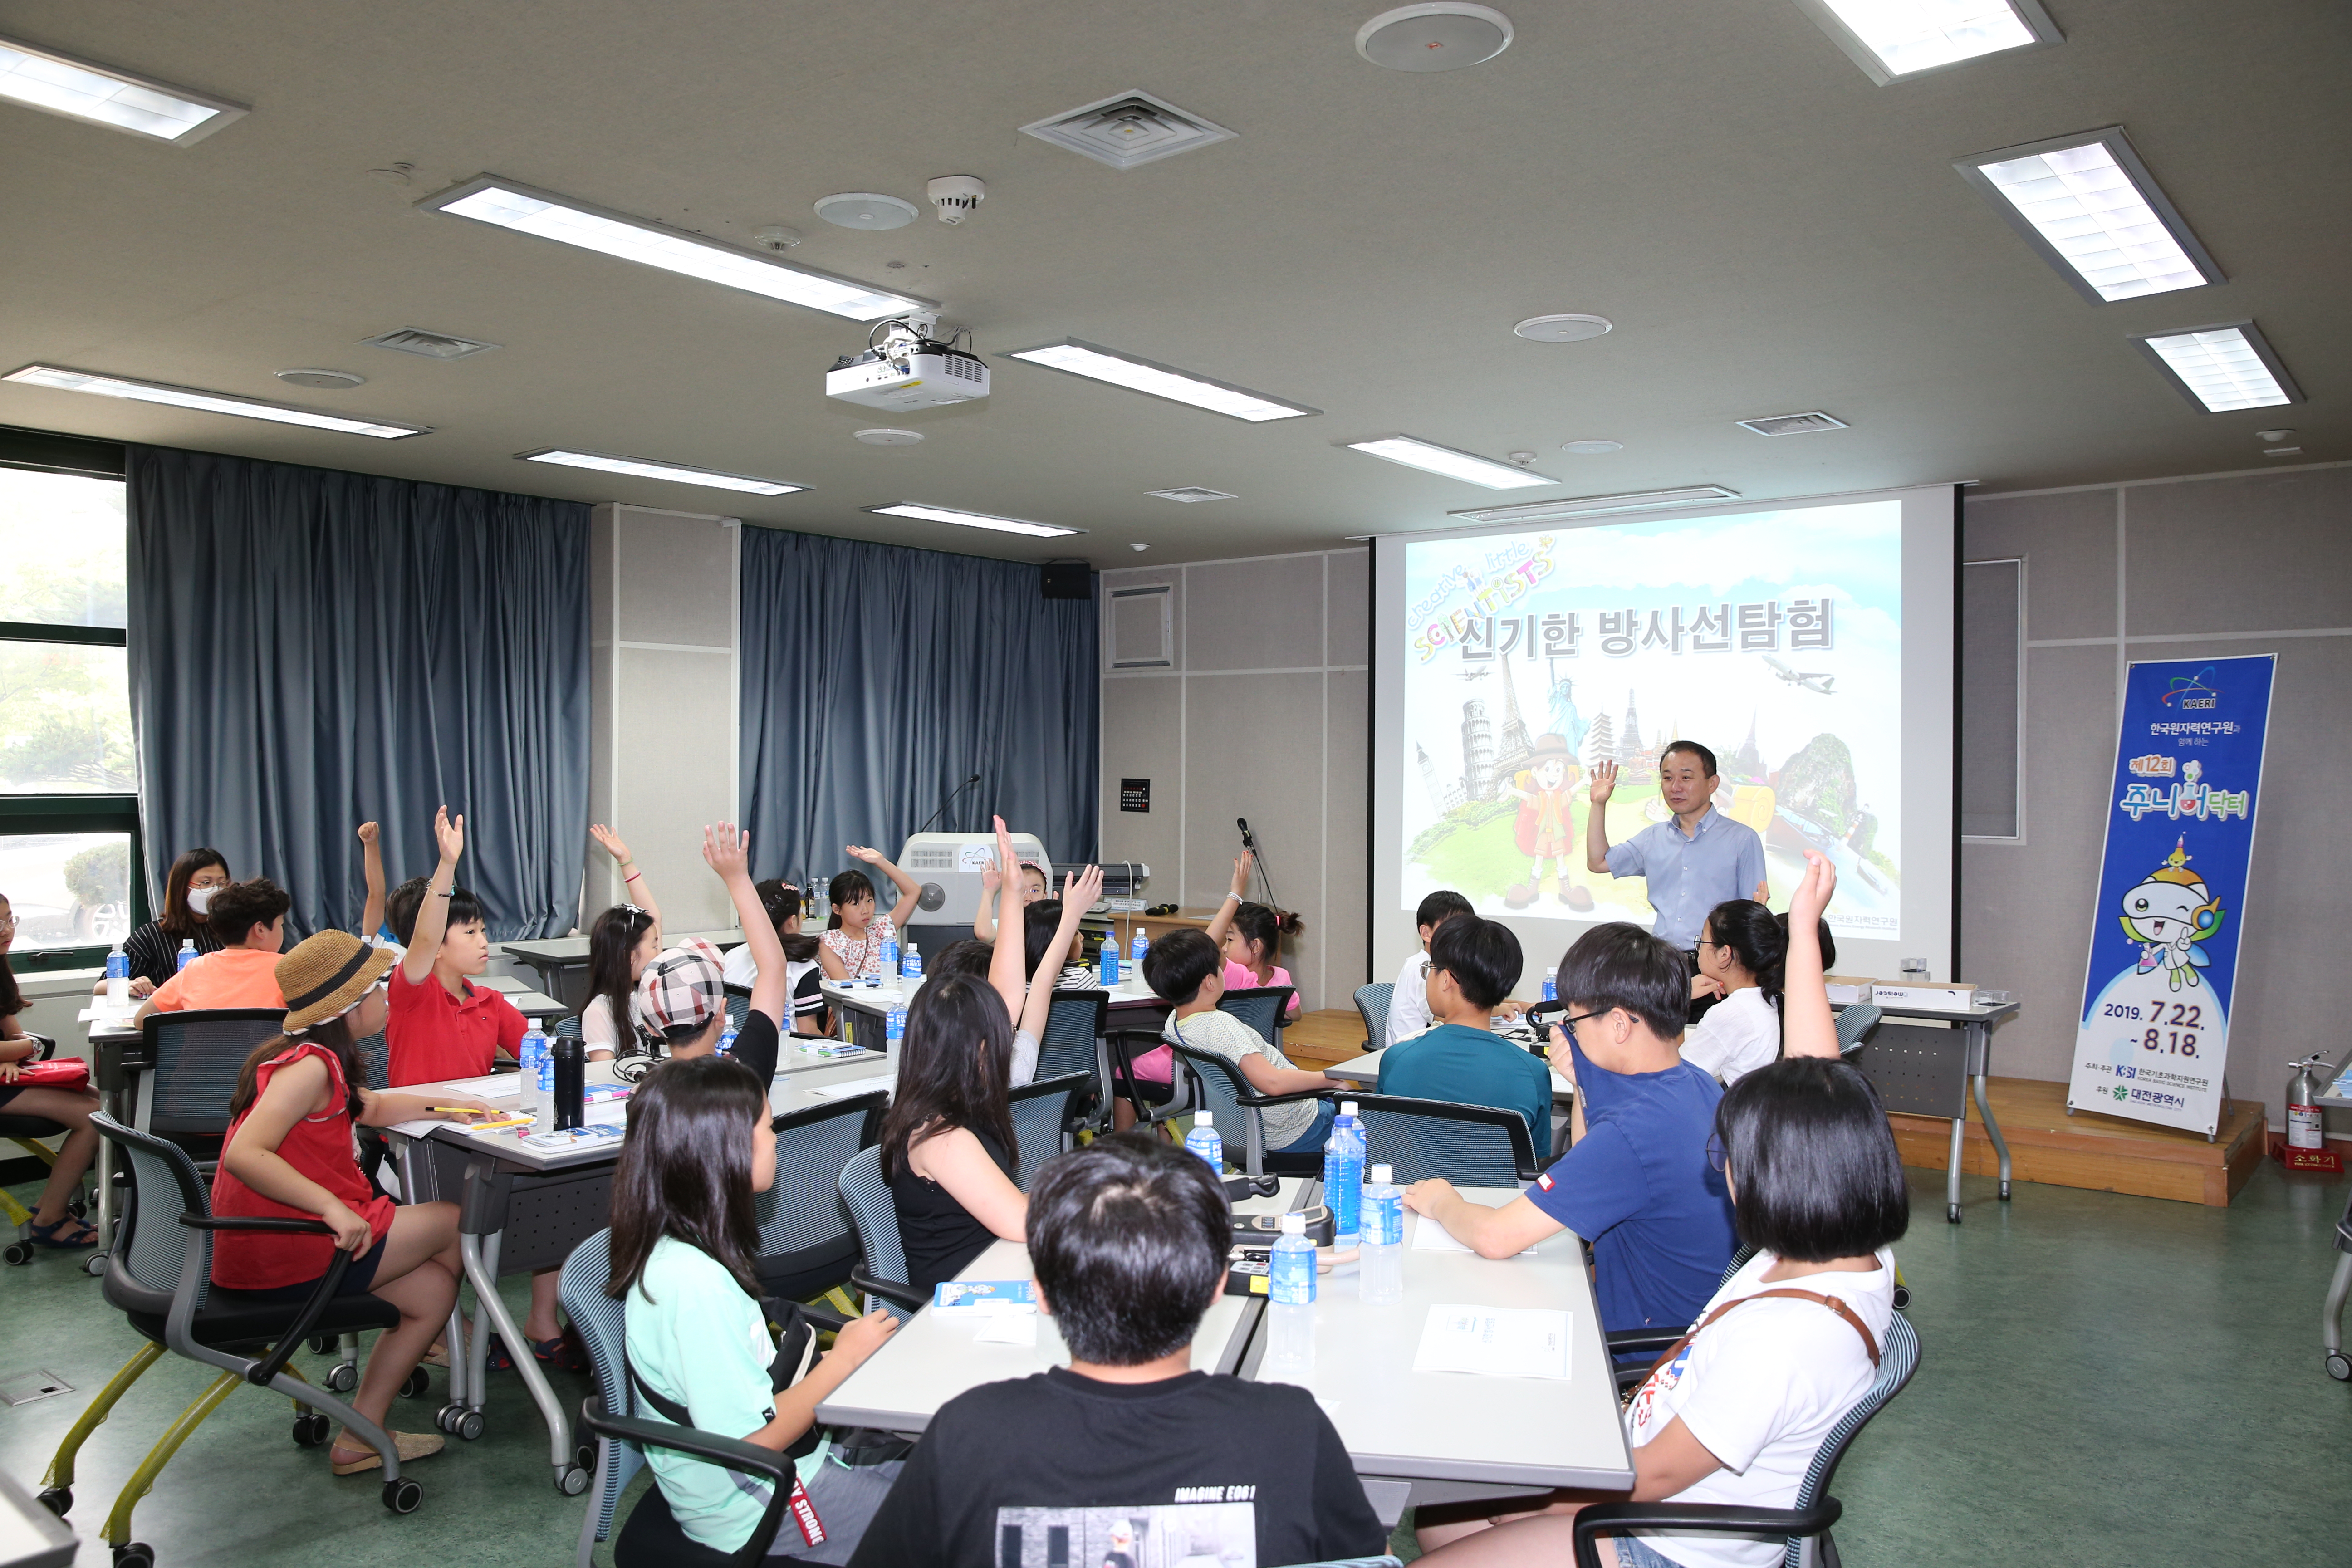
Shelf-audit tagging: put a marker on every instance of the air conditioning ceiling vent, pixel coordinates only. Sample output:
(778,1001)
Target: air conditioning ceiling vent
(1792,424)
(1193,493)
(431,345)
(1128,129)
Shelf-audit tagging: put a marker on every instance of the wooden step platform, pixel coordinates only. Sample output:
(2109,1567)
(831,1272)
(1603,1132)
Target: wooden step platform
(1318,1039)
(2103,1153)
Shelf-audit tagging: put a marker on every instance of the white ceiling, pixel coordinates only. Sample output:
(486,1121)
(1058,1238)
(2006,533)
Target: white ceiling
(1770,231)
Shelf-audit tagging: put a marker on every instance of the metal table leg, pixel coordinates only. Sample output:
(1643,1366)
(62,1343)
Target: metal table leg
(477,1247)
(1980,1054)
(1952,1170)
(2339,1287)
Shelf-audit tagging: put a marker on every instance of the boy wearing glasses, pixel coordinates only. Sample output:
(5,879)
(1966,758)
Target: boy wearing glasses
(1637,1182)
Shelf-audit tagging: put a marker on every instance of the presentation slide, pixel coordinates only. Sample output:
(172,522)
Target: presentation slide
(1808,644)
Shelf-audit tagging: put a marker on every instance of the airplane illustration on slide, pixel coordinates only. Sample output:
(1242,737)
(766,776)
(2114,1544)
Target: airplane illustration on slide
(1811,680)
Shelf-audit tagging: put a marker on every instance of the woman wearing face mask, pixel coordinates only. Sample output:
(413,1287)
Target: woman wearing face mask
(154,948)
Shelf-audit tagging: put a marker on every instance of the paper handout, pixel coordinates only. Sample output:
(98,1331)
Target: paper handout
(1493,1342)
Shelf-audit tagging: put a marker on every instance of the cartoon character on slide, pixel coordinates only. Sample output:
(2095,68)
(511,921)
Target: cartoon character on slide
(1543,831)
(2169,915)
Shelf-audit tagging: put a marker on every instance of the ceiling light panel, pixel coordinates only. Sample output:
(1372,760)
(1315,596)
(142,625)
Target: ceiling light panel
(973,519)
(1893,39)
(1098,364)
(103,95)
(674,473)
(65,380)
(2093,210)
(2223,367)
(1594,505)
(1415,453)
(504,204)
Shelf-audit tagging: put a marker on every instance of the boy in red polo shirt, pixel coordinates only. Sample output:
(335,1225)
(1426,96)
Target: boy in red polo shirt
(442,1028)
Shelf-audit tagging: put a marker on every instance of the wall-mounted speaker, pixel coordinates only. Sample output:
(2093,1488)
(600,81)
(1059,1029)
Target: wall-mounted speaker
(1066,580)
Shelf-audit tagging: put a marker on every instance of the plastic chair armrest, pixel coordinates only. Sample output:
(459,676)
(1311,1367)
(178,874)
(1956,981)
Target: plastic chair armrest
(897,1290)
(263,1373)
(1617,1517)
(1621,1341)
(728,1453)
(1256,1102)
(823,1317)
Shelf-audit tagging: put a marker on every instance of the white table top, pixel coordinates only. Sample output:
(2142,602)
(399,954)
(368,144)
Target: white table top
(1131,992)
(930,1360)
(106,1023)
(1433,1426)
(1366,1070)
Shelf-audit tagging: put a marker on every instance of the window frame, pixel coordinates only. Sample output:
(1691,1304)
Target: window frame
(23,815)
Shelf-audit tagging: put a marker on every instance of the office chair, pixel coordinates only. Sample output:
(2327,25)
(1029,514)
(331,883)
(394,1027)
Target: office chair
(1076,1025)
(739,1007)
(1218,1086)
(1854,1026)
(183,1097)
(1262,1007)
(883,1276)
(27,1132)
(1042,1113)
(1469,1145)
(808,1245)
(1373,1005)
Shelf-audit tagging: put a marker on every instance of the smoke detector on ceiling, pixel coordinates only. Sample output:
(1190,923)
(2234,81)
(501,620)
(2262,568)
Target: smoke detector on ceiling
(1791,423)
(1567,328)
(864,209)
(1193,493)
(322,380)
(1128,129)
(2272,437)
(1594,447)
(776,237)
(431,345)
(1436,38)
(956,195)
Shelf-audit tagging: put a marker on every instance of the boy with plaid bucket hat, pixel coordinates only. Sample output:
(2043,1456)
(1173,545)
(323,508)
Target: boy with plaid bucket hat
(681,999)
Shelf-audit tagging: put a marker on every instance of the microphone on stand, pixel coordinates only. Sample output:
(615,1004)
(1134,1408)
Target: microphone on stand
(947,803)
(1249,842)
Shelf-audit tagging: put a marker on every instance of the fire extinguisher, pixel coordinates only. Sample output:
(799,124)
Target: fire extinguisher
(2303,1128)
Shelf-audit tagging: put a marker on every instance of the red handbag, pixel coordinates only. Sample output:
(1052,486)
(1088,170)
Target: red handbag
(72,1072)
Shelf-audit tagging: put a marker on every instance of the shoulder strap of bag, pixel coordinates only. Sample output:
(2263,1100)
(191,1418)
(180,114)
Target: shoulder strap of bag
(1869,1342)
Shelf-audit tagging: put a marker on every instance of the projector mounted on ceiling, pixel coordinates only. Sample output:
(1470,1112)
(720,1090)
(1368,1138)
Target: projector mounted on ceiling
(909,368)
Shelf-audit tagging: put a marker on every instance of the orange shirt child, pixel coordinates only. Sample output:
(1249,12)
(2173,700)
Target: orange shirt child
(232,977)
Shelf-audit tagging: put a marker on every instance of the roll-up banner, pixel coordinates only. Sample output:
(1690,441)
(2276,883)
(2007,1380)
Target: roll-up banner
(2154,1040)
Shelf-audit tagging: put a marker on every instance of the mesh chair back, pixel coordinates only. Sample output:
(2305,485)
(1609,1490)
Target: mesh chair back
(877,1218)
(1898,1358)
(1372,1006)
(800,1210)
(151,1245)
(1073,1024)
(602,1324)
(1040,1118)
(196,1057)
(1261,1007)
(1217,1085)
(567,1027)
(1854,1026)
(1469,1145)
(738,1007)
(376,1061)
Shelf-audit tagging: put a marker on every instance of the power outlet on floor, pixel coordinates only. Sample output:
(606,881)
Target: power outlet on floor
(25,1387)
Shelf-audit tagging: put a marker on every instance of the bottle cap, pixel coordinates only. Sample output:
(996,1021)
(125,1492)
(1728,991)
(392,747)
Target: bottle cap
(1552,970)
(1204,1119)
(1294,1225)
(1347,1108)
(1381,1174)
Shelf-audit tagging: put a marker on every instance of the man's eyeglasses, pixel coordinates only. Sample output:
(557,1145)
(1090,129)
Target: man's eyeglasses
(1715,1156)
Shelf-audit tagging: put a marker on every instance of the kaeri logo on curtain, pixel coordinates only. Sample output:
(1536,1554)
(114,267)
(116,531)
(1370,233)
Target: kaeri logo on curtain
(2154,1039)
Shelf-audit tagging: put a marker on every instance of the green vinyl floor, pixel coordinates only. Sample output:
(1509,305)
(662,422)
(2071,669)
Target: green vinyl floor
(2104,1380)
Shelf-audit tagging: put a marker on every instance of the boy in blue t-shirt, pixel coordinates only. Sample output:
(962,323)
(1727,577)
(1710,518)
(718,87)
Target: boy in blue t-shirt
(1472,964)
(1638,1182)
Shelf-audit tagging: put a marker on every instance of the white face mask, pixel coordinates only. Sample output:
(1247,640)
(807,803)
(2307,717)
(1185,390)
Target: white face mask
(200,900)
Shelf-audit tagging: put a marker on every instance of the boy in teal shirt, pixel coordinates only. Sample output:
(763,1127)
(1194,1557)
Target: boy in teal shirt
(1472,964)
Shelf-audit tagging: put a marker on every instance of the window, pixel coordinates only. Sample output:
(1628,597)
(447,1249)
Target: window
(69,849)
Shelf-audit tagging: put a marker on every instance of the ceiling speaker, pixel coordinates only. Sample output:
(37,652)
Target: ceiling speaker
(1066,580)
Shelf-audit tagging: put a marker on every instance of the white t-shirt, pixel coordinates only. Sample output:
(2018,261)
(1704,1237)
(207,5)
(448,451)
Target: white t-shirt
(599,1031)
(801,978)
(1409,1002)
(1738,1035)
(1761,1388)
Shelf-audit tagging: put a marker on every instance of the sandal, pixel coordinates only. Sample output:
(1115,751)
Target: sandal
(560,1352)
(47,1234)
(411,1446)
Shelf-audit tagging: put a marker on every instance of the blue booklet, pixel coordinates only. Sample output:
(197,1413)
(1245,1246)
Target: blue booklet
(977,1298)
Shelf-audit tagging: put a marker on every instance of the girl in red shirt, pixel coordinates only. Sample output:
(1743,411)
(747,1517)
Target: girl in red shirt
(288,1155)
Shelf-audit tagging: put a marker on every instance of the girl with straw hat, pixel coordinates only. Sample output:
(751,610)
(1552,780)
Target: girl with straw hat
(288,1155)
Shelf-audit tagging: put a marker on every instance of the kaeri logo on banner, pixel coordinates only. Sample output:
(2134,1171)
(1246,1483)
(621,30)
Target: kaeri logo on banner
(2154,1040)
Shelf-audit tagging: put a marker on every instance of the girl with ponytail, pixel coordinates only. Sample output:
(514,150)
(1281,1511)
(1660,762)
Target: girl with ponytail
(1742,951)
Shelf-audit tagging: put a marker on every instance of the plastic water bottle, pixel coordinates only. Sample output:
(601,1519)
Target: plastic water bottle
(187,953)
(1109,962)
(1551,983)
(1204,1142)
(538,1077)
(890,958)
(894,1029)
(118,977)
(726,1040)
(1140,946)
(911,967)
(1290,1301)
(1383,1280)
(1343,1177)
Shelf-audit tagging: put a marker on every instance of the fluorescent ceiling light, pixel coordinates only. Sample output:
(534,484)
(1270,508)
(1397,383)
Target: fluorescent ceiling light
(2093,210)
(1098,363)
(1593,506)
(103,95)
(645,469)
(506,205)
(1891,39)
(1415,453)
(2221,367)
(973,519)
(65,380)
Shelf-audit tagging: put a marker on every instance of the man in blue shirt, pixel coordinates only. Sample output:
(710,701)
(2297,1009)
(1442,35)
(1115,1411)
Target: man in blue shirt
(1693,863)
(1637,1182)
(1472,964)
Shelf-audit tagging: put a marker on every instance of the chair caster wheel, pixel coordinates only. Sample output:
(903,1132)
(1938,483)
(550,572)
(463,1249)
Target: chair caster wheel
(342,1377)
(138,1554)
(1952,1214)
(402,1496)
(59,1500)
(95,1266)
(572,1481)
(468,1425)
(1902,1297)
(2339,1367)
(18,1254)
(322,1344)
(311,1430)
(417,1383)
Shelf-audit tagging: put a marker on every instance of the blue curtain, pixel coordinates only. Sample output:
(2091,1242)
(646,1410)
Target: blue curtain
(876,680)
(310,649)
